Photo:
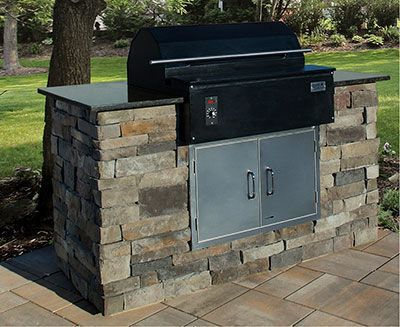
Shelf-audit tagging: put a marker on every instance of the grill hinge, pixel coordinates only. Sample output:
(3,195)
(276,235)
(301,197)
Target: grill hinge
(194,167)
(315,146)
(196,224)
(316,196)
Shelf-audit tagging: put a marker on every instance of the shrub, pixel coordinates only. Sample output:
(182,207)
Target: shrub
(389,33)
(34,48)
(337,39)
(357,39)
(373,40)
(390,202)
(386,220)
(122,43)
(306,16)
(384,12)
(47,41)
(349,15)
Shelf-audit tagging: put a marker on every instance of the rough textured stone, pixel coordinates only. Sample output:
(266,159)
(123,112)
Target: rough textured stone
(286,258)
(185,269)
(359,149)
(372,184)
(296,231)
(116,197)
(342,100)
(186,258)
(114,269)
(371,131)
(352,118)
(372,172)
(162,136)
(176,248)
(369,210)
(365,236)
(155,226)
(147,126)
(117,153)
(143,164)
(121,286)
(144,268)
(110,251)
(315,237)
(113,304)
(155,112)
(148,279)
(342,242)
(364,98)
(182,156)
(117,116)
(162,200)
(156,147)
(331,222)
(110,234)
(329,167)
(118,183)
(327,181)
(122,142)
(316,249)
(358,162)
(224,261)
(372,197)
(187,284)
(322,135)
(104,169)
(346,191)
(346,135)
(354,202)
(117,215)
(167,177)
(371,114)
(143,296)
(349,176)
(328,153)
(255,240)
(262,252)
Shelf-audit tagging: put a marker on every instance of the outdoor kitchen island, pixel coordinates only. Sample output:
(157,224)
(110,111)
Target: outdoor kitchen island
(121,195)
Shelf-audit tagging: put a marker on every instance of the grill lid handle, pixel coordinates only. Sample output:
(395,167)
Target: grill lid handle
(240,55)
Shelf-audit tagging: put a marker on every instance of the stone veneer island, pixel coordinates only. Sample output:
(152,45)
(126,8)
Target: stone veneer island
(121,218)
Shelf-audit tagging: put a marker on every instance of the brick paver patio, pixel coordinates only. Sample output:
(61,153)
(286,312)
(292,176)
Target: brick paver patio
(353,287)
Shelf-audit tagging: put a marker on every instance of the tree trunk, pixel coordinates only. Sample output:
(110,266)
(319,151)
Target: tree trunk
(69,65)
(10,37)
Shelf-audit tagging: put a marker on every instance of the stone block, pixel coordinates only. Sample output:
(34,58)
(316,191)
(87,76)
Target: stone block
(143,296)
(342,100)
(176,248)
(158,242)
(110,251)
(372,172)
(370,114)
(110,234)
(330,223)
(111,270)
(262,252)
(162,136)
(147,126)
(139,269)
(373,221)
(155,112)
(342,242)
(371,131)
(187,284)
(225,276)
(316,249)
(186,258)
(296,231)
(372,185)
(162,200)
(65,150)
(103,169)
(337,206)
(359,225)
(144,164)
(224,261)
(167,177)
(349,176)
(182,156)
(121,286)
(99,132)
(372,197)
(59,223)
(80,284)
(346,191)
(364,98)
(81,137)
(345,135)
(256,240)
(122,142)
(329,167)
(315,237)
(326,208)
(329,153)
(117,153)
(116,197)
(156,147)
(115,116)
(155,225)
(357,162)
(180,270)
(113,304)
(365,236)
(148,279)
(359,149)
(368,210)
(322,135)
(286,258)
(107,217)
(112,183)
(352,118)
(354,202)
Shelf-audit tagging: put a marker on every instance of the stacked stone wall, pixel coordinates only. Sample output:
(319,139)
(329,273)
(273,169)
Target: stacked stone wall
(121,216)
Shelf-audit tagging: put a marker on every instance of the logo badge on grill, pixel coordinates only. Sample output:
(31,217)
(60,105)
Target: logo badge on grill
(318,86)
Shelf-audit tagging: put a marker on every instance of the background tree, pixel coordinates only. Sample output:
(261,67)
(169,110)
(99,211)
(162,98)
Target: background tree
(270,10)
(10,47)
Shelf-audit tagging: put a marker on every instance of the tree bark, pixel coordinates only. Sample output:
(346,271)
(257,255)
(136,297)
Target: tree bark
(10,37)
(69,65)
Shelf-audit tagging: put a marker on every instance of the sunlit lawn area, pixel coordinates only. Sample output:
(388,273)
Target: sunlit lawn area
(21,108)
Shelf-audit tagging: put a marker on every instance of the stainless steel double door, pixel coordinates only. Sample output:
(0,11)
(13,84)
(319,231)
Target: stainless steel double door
(241,187)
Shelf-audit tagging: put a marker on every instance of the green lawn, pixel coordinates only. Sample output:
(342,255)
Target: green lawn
(21,108)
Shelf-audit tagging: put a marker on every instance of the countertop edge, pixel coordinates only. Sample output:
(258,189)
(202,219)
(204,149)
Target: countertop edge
(366,80)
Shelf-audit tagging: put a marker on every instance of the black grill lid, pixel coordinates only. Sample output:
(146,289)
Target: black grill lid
(160,55)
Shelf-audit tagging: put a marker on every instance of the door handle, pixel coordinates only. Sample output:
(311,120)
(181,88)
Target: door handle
(269,172)
(251,178)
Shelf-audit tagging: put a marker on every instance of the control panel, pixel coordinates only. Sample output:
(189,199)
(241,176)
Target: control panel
(211,110)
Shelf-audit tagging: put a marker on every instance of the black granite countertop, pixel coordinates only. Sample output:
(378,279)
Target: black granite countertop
(114,95)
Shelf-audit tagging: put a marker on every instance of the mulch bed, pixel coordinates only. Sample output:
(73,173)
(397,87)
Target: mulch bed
(388,167)
(23,71)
